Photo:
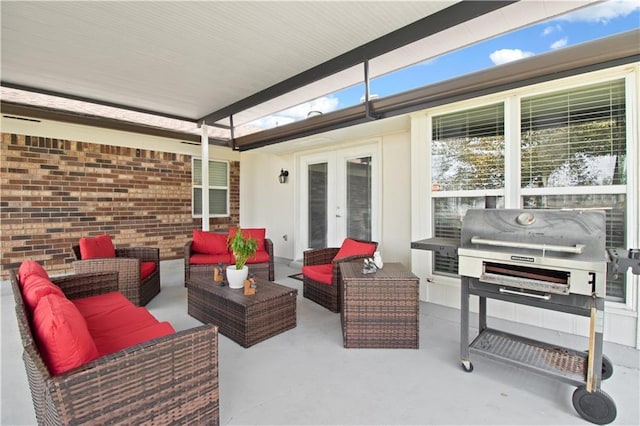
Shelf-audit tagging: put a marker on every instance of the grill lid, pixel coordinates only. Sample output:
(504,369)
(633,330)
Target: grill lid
(578,235)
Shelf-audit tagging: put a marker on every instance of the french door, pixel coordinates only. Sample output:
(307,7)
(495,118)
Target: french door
(339,196)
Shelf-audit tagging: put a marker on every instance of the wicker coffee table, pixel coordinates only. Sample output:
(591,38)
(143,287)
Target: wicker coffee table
(379,310)
(246,320)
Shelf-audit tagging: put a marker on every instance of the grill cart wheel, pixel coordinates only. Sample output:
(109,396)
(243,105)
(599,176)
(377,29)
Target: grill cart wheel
(607,366)
(596,407)
(467,366)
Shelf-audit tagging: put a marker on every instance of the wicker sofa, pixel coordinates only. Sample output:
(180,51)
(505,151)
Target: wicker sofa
(206,249)
(171,379)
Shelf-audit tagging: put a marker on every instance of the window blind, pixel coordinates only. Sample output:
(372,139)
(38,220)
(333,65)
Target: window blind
(575,137)
(468,149)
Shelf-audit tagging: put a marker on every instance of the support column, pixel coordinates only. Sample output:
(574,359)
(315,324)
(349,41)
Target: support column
(204,146)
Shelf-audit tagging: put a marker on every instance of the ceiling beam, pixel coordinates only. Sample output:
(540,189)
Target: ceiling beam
(16,110)
(432,24)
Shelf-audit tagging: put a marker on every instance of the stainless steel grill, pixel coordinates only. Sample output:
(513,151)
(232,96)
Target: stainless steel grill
(550,259)
(546,251)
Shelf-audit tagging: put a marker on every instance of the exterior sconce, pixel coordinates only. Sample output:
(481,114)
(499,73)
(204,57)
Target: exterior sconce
(284,174)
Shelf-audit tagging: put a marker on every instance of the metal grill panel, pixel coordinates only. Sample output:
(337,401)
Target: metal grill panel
(541,357)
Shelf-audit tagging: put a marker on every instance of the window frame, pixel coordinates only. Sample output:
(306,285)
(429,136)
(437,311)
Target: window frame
(195,184)
(513,193)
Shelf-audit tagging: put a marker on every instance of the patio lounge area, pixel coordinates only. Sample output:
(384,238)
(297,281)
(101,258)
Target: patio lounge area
(305,376)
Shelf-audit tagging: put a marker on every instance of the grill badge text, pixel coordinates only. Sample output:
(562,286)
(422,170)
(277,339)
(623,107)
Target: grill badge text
(523,259)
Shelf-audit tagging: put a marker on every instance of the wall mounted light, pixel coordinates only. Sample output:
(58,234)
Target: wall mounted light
(284,175)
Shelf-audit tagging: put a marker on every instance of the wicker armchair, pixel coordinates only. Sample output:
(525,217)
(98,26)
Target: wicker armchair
(323,294)
(127,263)
(167,380)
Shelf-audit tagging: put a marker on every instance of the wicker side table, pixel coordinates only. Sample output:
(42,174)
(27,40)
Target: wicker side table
(379,310)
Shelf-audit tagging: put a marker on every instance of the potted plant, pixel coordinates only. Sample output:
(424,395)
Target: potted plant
(242,249)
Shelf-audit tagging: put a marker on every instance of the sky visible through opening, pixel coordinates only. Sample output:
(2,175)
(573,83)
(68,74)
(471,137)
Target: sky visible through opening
(590,23)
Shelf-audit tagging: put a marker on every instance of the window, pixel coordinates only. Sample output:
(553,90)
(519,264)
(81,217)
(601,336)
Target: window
(576,139)
(467,163)
(218,188)
(573,154)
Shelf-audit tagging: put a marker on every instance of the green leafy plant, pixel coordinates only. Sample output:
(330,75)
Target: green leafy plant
(242,248)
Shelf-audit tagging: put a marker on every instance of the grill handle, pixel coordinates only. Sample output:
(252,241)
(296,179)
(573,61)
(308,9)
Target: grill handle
(577,249)
(521,293)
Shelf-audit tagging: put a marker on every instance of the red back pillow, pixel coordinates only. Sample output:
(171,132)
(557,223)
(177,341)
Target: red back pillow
(257,233)
(97,247)
(30,267)
(62,334)
(209,242)
(354,248)
(35,288)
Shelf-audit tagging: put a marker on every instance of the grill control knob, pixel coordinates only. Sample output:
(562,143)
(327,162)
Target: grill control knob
(526,219)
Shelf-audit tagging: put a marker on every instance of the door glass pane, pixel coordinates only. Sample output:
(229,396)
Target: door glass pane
(359,198)
(317,191)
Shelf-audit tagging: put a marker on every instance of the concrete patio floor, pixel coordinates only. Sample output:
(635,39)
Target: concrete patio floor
(305,376)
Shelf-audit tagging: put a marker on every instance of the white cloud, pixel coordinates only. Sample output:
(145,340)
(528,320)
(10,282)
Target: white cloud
(324,104)
(603,12)
(559,44)
(503,56)
(551,29)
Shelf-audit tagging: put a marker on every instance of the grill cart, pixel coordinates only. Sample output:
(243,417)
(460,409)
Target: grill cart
(550,259)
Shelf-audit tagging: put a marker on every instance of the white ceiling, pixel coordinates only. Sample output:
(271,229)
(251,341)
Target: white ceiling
(189,58)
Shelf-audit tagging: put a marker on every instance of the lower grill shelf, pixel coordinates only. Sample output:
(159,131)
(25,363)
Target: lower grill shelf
(561,363)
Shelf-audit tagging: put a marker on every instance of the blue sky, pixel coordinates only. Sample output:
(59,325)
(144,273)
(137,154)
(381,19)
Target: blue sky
(589,23)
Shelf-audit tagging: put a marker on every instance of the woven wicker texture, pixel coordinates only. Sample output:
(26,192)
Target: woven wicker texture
(127,264)
(321,293)
(379,310)
(246,320)
(263,271)
(168,380)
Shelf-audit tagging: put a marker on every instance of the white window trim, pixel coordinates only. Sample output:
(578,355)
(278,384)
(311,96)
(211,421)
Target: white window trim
(513,193)
(193,186)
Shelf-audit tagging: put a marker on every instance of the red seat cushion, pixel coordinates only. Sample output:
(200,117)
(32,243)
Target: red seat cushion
(146,269)
(209,259)
(28,268)
(62,334)
(107,308)
(320,273)
(97,247)
(209,242)
(110,344)
(260,257)
(257,233)
(352,247)
(35,288)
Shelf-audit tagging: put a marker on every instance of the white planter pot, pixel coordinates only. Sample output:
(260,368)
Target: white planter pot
(236,277)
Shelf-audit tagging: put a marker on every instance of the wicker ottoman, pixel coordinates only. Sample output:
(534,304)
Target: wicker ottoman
(379,310)
(246,320)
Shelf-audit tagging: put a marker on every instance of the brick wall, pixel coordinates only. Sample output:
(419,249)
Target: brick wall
(56,191)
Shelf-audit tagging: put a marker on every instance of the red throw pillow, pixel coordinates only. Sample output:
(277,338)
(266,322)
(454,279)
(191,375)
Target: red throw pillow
(258,233)
(352,247)
(35,288)
(30,267)
(97,247)
(209,242)
(62,334)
